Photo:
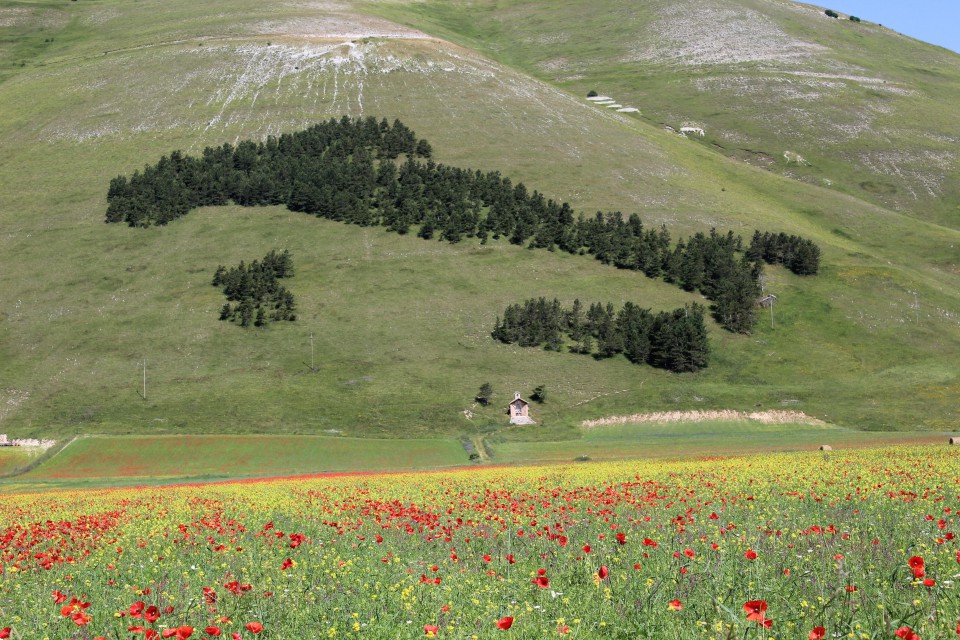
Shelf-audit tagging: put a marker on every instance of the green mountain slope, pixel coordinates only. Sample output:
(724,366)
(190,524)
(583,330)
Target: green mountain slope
(849,105)
(401,326)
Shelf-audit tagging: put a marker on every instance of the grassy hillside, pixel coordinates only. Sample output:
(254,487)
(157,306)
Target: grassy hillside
(868,110)
(401,326)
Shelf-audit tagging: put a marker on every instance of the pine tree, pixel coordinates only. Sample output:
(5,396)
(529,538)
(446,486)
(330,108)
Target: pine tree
(539,394)
(609,337)
(245,311)
(576,326)
(697,343)
(424,150)
(634,324)
(735,303)
(485,395)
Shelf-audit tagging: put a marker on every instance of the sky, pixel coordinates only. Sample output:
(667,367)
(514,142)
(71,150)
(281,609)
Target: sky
(934,21)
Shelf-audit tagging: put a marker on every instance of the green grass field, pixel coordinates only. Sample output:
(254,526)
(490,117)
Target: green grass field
(700,439)
(175,457)
(107,461)
(400,325)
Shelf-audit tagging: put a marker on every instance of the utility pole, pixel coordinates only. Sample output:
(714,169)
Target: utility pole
(772,301)
(313,368)
(144,395)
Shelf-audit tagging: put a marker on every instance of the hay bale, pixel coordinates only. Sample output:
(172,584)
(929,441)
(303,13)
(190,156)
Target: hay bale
(826,447)
(955,440)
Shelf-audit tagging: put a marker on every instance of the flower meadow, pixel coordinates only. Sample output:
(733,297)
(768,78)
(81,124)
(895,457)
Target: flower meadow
(857,544)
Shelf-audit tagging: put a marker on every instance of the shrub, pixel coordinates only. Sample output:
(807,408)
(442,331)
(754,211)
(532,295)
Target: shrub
(854,19)
(832,13)
(592,94)
(485,395)
(539,394)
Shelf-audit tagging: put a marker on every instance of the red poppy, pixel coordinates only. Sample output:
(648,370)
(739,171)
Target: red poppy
(178,633)
(75,606)
(818,633)
(621,538)
(586,548)
(541,581)
(851,588)
(647,542)
(213,631)
(602,572)
(254,627)
(81,618)
(906,633)
(675,605)
(5,632)
(756,612)
(916,564)
(431,629)
(286,564)
(152,614)
(929,582)
(505,623)
(750,554)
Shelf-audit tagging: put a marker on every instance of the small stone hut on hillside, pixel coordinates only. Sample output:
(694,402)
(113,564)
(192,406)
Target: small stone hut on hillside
(519,410)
